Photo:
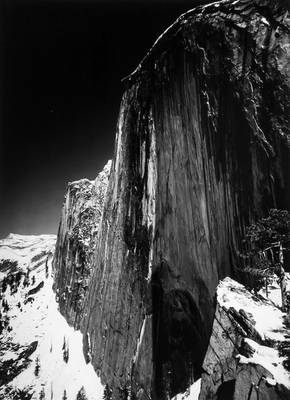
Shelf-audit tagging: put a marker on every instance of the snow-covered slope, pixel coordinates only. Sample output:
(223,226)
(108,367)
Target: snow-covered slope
(41,355)
(27,250)
(249,351)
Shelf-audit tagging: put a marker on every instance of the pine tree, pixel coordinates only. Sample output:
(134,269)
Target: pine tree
(37,367)
(22,394)
(66,355)
(81,394)
(64,397)
(266,243)
(46,267)
(4,285)
(65,350)
(42,394)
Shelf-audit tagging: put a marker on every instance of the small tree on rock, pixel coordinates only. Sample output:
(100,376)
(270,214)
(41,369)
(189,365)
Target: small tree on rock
(267,242)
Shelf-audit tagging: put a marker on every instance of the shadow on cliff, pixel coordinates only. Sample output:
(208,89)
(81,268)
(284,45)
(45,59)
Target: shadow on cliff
(179,334)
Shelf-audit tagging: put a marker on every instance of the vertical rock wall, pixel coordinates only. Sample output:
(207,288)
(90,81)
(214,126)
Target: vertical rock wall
(76,242)
(201,150)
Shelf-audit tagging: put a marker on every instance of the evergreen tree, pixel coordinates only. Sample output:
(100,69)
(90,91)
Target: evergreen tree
(22,394)
(65,350)
(46,267)
(4,285)
(42,394)
(66,355)
(81,394)
(37,367)
(267,242)
(26,278)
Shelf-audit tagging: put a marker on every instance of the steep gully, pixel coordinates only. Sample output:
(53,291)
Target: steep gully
(202,149)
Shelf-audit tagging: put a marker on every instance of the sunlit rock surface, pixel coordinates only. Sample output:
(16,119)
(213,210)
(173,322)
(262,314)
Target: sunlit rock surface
(201,150)
(76,242)
(41,356)
(249,352)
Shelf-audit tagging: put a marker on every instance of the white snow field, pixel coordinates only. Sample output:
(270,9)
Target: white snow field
(269,322)
(56,368)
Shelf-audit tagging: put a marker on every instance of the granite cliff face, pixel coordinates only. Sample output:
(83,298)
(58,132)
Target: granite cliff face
(202,149)
(76,242)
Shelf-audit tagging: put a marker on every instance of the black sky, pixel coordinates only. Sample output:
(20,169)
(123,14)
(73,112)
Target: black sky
(61,68)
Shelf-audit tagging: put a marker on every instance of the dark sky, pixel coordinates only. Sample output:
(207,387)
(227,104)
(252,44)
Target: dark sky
(61,68)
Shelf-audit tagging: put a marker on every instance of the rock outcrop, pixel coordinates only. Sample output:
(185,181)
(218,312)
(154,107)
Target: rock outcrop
(202,149)
(76,242)
(249,352)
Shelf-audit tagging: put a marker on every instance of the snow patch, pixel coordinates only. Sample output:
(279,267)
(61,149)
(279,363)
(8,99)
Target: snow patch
(269,358)
(232,294)
(192,393)
(268,321)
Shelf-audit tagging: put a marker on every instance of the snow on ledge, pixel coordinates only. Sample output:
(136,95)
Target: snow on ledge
(268,321)
(269,358)
(268,318)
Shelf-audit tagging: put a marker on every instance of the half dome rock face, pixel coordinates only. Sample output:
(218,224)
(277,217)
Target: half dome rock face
(76,242)
(202,149)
